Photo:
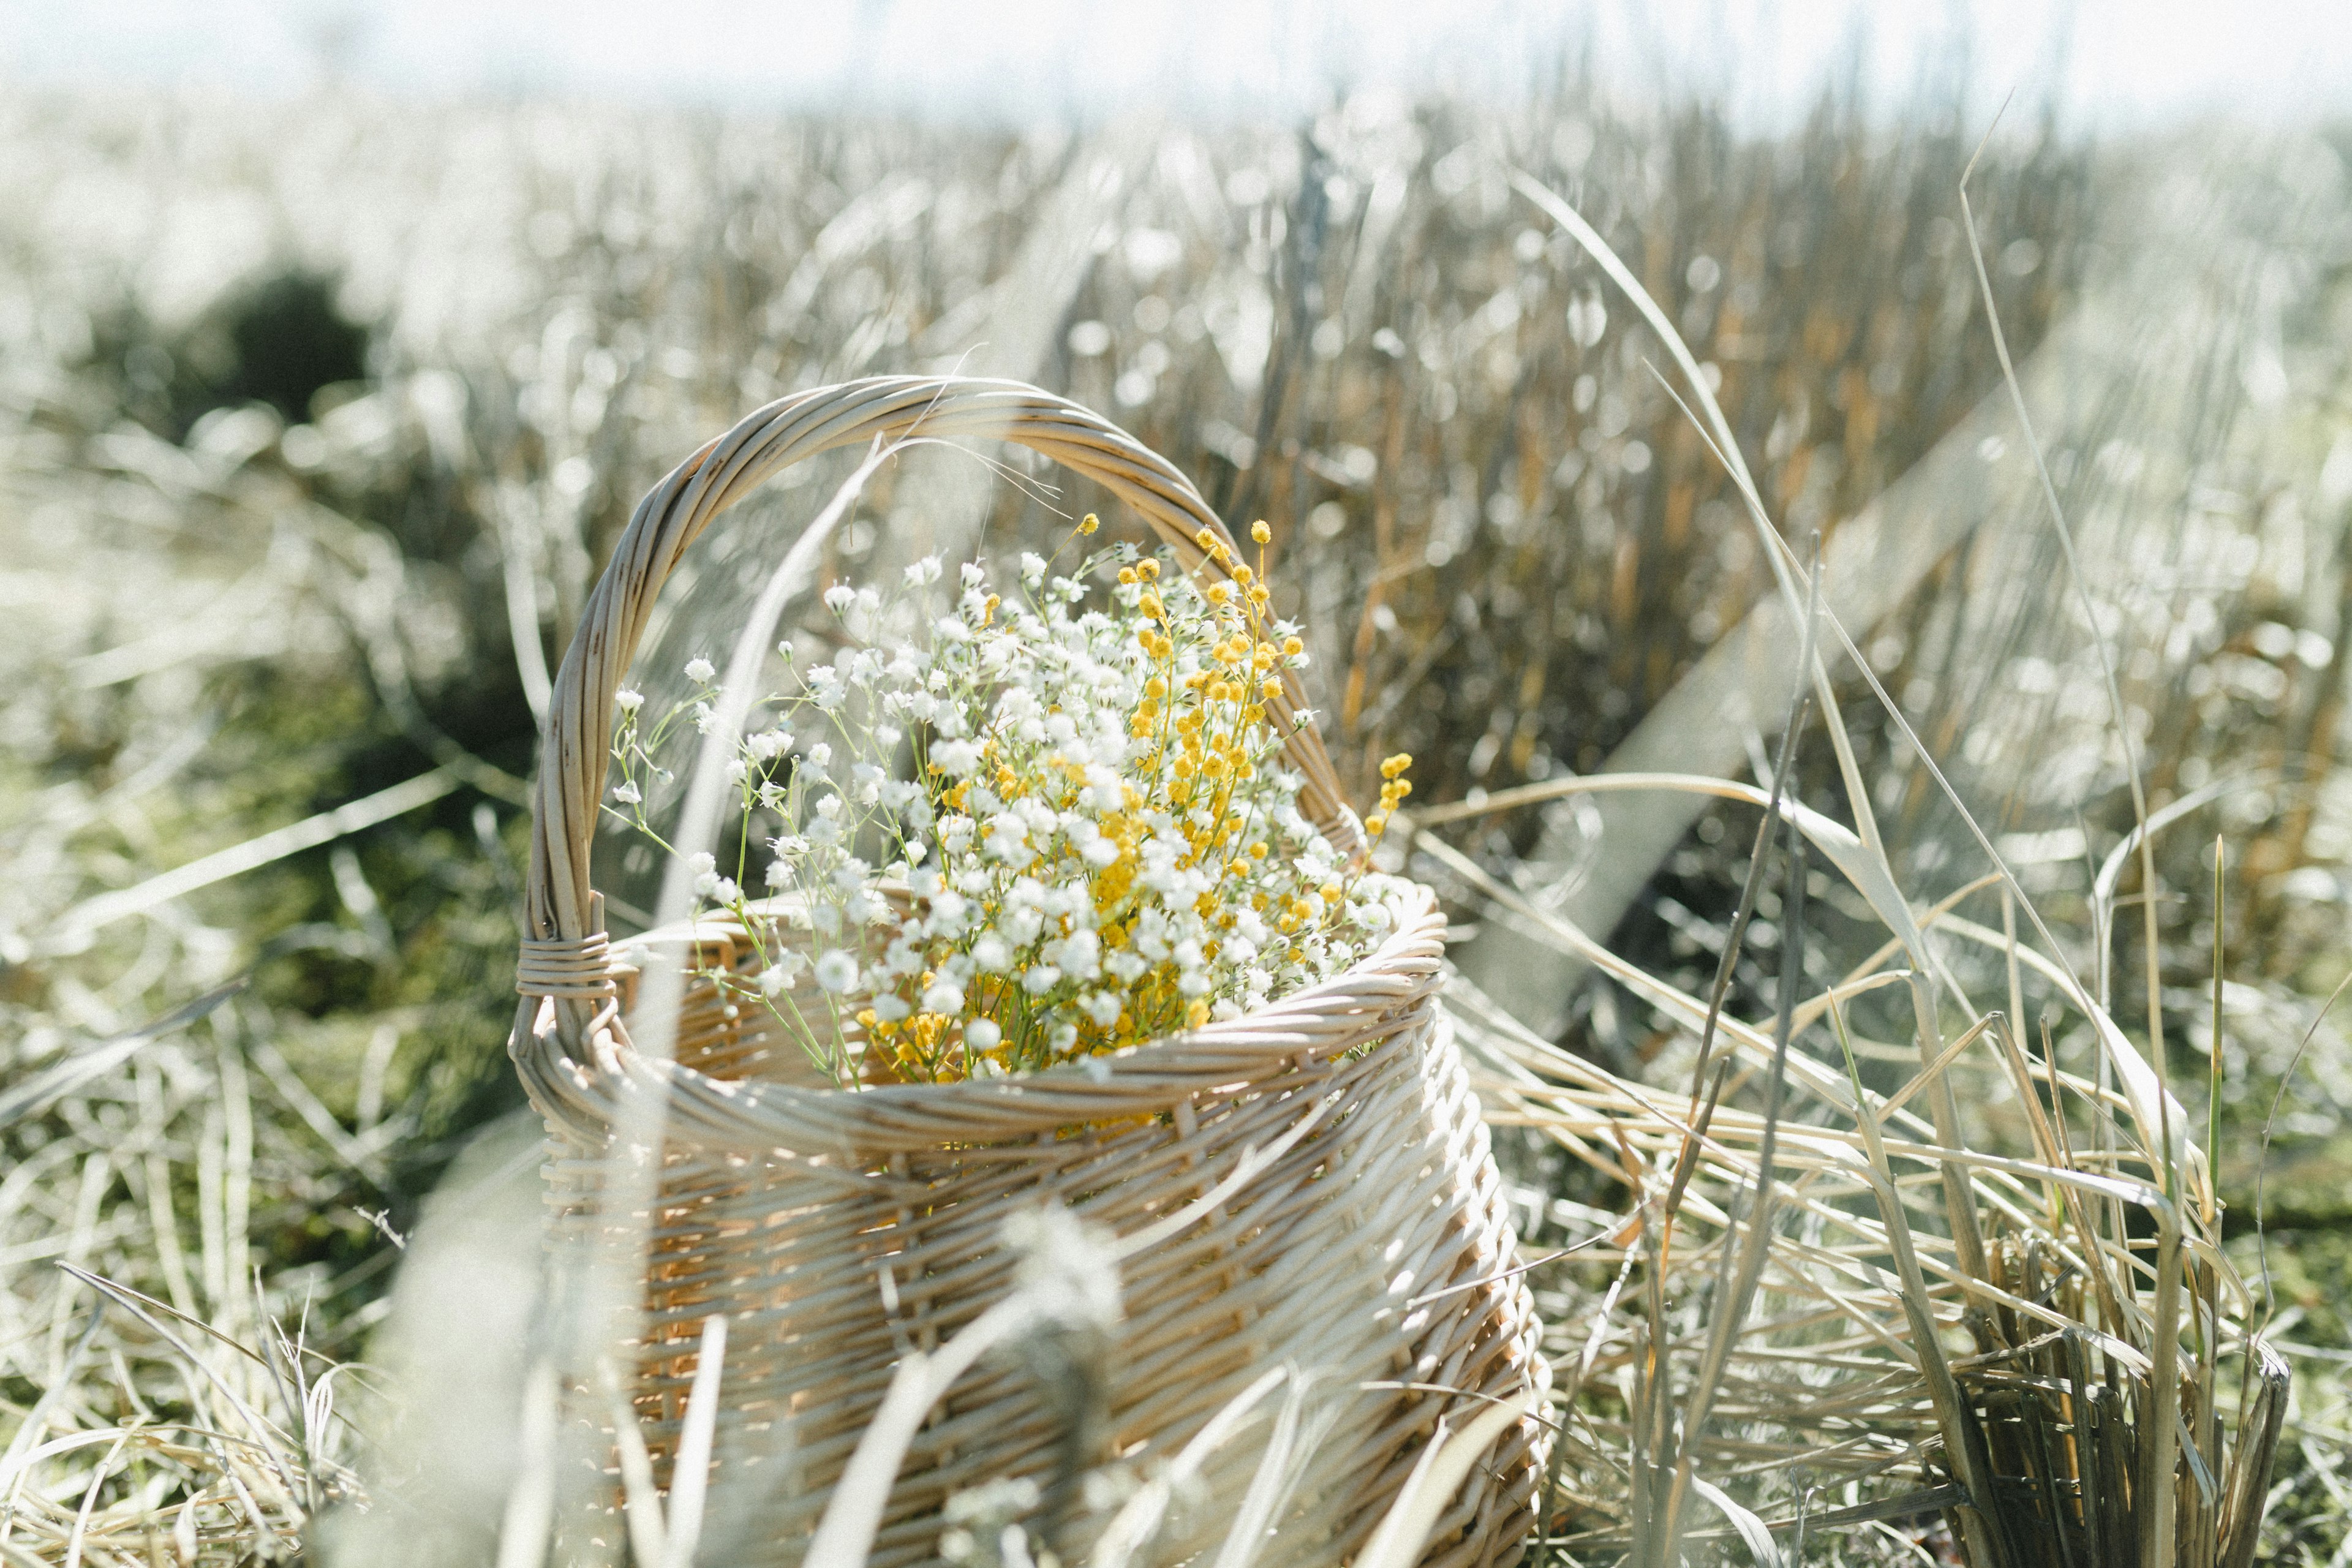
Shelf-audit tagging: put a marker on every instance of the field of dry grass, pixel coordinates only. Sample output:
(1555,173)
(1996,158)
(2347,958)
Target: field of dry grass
(318,420)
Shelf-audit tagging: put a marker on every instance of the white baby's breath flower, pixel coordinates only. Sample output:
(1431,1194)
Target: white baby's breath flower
(981,1035)
(627,793)
(1032,565)
(944,998)
(1040,979)
(699,670)
(1008,839)
(957,758)
(892,1009)
(992,954)
(839,597)
(628,701)
(1075,955)
(836,971)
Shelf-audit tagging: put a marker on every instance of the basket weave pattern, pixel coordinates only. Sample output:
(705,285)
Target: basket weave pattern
(838,1228)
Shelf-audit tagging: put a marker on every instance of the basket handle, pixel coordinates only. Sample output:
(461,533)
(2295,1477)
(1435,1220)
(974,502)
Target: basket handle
(563,949)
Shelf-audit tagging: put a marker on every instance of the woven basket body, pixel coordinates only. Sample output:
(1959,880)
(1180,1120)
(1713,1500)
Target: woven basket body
(837,1230)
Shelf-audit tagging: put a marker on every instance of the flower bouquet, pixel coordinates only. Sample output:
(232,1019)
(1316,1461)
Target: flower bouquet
(1000,834)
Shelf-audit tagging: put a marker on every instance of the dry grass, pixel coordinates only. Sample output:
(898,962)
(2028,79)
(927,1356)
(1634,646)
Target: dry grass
(227,623)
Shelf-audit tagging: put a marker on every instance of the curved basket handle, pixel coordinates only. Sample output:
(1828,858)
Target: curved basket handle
(563,923)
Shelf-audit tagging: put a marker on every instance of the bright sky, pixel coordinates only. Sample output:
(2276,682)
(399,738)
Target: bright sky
(2118,62)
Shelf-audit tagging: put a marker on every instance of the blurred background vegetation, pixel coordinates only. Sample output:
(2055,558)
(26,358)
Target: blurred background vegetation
(318,419)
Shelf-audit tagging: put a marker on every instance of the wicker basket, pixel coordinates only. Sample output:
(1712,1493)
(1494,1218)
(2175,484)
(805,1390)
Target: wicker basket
(1374,1255)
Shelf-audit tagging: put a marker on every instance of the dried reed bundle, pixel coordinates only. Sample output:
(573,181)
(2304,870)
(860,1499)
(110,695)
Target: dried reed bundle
(1831,1287)
(1306,1185)
(1841,1332)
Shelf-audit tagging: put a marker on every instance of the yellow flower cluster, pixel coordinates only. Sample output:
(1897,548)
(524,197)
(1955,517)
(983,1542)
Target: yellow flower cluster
(1394,787)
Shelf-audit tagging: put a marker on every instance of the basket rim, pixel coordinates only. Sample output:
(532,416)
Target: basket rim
(1366,1002)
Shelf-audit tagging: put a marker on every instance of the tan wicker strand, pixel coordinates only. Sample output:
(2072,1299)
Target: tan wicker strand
(572,969)
(1372,1251)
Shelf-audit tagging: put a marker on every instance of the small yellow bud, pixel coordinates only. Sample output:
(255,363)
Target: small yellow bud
(1126,575)
(1292,647)
(1271,690)
(1088,523)
(1376,823)
(1148,569)
(1243,575)
(1260,531)
(1396,764)
(1206,539)
(1259,851)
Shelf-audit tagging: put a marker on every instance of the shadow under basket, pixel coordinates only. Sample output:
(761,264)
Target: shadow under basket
(1358,1236)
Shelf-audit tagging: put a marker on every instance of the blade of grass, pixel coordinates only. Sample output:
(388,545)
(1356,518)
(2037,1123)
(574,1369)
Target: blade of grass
(1960,1448)
(1730,1314)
